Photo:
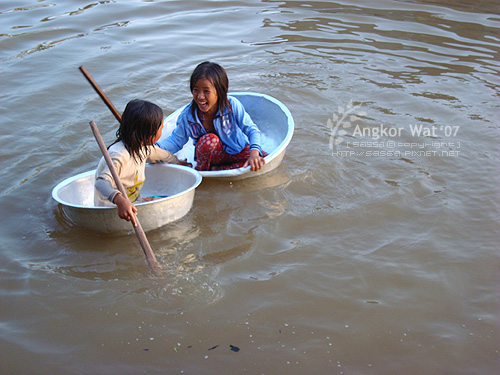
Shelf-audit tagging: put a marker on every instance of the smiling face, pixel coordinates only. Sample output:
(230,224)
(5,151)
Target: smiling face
(205,96)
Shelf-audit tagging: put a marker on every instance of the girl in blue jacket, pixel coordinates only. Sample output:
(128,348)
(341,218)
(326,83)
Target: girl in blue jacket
(224,135)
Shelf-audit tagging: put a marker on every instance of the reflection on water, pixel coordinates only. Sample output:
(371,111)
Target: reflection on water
(187,279)
(339,261)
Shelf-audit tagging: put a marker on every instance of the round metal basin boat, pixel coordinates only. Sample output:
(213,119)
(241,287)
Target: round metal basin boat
(274,121)
(177,183)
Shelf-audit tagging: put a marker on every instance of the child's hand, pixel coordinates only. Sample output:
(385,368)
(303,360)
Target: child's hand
(185,163)
(255,161)
(126,209)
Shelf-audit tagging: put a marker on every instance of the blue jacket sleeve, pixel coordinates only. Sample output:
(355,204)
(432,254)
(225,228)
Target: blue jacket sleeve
(246,124)
(179,137)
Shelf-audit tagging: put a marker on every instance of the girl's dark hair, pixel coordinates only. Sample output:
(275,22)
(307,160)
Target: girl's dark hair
(140,123)
(217,75)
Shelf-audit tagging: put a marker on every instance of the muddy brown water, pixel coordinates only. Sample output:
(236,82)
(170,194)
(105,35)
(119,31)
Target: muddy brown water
(372,249)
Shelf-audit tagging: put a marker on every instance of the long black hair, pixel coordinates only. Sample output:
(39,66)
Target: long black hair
(140,123)
(218,77)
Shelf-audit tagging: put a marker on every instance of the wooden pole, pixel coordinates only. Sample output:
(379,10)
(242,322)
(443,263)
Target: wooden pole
(141,236)
(101,93)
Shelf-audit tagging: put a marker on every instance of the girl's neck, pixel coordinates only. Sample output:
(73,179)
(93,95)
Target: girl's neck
(207,120)
(210,115)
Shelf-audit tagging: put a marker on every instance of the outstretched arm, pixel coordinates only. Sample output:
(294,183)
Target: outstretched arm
(157,154)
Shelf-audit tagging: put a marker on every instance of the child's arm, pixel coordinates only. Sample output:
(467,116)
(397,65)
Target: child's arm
(157,154)
(126,209)
(104,182)
(246,124)
(106,186)
(179,136)
(244,121)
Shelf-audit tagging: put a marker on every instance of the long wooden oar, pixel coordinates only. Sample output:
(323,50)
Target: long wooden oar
(101,93)
(141,236)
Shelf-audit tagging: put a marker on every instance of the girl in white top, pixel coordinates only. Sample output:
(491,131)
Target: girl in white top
(140,129)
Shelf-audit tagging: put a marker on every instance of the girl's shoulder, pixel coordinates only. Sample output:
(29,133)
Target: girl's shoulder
(186,113)
(236,107)
(118,150)
(234,102)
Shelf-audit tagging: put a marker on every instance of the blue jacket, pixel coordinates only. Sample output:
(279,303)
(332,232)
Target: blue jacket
(235,129)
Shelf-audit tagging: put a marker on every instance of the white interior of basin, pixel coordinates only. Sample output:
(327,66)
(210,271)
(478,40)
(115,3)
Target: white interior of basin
(160,180)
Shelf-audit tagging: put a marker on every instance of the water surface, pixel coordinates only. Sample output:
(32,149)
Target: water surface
(364,253)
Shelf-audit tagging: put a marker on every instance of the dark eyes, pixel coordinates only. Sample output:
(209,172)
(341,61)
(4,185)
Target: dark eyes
(205,91)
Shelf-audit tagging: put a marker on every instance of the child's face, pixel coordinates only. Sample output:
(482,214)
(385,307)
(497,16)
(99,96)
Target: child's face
(205,96)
